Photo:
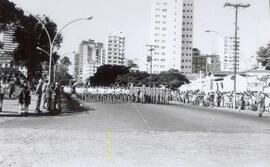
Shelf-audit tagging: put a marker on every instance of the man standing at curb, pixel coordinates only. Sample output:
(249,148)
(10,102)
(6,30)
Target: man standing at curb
(260,104)
(39,95)
(44,87)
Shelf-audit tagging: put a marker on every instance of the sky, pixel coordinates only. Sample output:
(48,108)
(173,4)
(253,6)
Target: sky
(133,18)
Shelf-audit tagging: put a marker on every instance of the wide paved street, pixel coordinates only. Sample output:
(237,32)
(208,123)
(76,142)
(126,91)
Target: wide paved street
(136,135)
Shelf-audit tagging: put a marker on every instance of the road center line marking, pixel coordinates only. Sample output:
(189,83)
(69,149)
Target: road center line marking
(108,142)
(144,120)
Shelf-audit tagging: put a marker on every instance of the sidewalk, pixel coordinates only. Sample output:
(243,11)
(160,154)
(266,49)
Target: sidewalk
(11,107)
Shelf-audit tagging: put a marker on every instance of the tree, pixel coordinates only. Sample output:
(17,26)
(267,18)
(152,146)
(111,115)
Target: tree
(172,79)
(136,78)
(107,74)
(65,61)
(62,74)
(263,56)
(28,34)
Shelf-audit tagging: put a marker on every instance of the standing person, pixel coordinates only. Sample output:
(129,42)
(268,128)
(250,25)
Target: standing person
(25,98)
(11,88)
(260,104)
(20,97)
(57,100)
(48,93)
(44,87)
(2,92)
(39,95)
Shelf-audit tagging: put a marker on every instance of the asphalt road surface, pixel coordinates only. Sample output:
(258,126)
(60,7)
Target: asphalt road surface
(137,135)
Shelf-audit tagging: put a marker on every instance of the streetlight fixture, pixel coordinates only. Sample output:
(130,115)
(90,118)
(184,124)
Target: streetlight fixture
(52,40)
(213,31)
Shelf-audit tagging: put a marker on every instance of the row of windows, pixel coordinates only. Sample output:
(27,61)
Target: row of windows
(162,41)
(119,62)
(163,35)
(161,66)
(186,48)
(189,17)
(187,11)
(187,4)
(186,29)
(188,23)
(188,67)
(158,3)
(110,53)
(162,60)
(186,61)
(186,41)
(186,54)
(158,28)
(183,36)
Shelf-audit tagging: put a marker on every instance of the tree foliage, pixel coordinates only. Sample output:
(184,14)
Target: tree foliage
(172,79)
(107,74)
(263,56)
(62,74)
(29,34)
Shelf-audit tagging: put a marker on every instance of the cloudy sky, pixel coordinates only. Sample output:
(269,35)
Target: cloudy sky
(133,17)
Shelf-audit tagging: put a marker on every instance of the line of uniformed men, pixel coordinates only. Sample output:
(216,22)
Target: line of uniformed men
(135,95)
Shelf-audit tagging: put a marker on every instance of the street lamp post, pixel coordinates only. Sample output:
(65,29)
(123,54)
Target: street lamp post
(221,55)
(236,7)
(52,41)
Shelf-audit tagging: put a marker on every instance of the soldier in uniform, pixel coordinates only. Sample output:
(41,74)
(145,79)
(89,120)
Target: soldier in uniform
(57,99)
(39,95)
(44,87)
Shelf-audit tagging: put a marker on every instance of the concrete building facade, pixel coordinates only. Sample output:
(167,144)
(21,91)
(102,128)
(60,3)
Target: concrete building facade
(116,49)
(213,63)
(91,56)
(6,53)
(198,61)
(8,40)
(172,33)
(227,61)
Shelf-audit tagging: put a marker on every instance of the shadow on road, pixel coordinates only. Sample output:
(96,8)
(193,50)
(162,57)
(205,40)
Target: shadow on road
(70,106)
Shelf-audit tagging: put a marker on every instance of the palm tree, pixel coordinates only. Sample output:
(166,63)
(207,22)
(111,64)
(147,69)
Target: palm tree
(65,61)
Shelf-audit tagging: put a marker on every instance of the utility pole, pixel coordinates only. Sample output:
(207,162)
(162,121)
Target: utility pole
(152,48)
(236,7)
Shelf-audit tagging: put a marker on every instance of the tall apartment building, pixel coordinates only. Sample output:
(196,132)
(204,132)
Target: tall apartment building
(227,60)
(8,40)
(6,56)
(172,32)
(76,65)
(116,49)
(91,56)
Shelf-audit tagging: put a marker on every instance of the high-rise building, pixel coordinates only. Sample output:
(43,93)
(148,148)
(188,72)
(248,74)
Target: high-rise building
(172,32)
(198,61)
(91,56)
(8,40)
(6,56)
(76,65)
(116,49)
(227,60)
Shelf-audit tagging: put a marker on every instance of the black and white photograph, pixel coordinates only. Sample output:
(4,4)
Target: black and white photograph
(134,83)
